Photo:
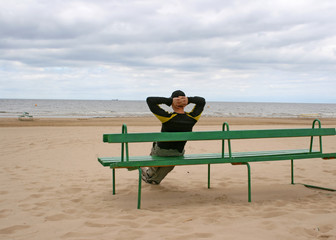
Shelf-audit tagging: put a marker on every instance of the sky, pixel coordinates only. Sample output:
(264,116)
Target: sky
(223,50)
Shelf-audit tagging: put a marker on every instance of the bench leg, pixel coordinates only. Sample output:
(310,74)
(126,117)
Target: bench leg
(139,188)
(292,171)
(208,175)
(248,177)
(113,181)
(249,180)
(307,185)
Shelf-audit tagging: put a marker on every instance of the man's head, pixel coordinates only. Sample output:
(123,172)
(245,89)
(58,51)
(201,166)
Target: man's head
(177,93)
(179,101)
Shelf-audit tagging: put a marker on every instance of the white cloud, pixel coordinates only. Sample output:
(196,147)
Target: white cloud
(224,50)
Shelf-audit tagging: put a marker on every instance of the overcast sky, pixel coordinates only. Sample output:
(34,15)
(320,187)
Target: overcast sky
(234,50)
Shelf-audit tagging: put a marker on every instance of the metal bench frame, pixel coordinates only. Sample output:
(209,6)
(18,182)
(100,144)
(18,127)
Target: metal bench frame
(235,158)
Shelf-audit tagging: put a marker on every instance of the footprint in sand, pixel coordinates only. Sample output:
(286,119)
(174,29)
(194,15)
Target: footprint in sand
(12,229)
(5,213)
(99,225)
(73,190)
(159,221)
(330,172)
(44,189)
(273,214)
(79,235)
(35,195)
(268,225)
(57,217)
(128,223)
(101,180)
(326,228)
(195,235)
(76,200)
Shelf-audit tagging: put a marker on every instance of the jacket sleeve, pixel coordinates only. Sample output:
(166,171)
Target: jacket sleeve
(154,105)
(199,106)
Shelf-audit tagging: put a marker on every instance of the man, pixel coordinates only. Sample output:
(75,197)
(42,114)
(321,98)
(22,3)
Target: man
(177,121)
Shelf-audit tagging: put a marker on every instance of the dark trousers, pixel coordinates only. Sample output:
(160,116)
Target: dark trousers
(157,174)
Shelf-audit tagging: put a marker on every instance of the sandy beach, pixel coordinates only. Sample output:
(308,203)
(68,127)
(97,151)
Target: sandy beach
(53,187)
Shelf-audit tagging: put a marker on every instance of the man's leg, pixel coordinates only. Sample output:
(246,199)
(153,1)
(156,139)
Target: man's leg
(155,175)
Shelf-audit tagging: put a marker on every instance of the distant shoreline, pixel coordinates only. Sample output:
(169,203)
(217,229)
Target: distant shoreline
(152,121)
(71,109)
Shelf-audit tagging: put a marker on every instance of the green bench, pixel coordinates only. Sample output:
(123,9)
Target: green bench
(226,135)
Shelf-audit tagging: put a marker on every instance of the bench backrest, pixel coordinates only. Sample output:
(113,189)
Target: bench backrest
(216,135)
(124,138)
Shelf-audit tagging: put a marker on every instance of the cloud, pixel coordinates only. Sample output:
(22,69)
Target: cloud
(225,50)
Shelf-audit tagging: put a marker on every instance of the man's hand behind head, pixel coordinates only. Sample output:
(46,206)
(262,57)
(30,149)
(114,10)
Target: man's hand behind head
(180,101)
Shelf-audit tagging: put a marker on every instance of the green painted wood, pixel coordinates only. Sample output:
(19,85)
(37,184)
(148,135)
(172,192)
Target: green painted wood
(216,135)
(195,159)
(135,162)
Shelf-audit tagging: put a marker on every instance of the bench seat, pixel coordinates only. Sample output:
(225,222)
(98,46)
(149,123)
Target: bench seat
(211,158)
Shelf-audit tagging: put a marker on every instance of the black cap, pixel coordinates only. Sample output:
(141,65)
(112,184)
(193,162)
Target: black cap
(177,93)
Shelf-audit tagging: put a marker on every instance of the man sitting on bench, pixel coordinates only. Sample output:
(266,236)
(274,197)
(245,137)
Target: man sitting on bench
(177,121)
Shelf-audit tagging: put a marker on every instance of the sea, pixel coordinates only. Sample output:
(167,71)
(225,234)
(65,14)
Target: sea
(47,108)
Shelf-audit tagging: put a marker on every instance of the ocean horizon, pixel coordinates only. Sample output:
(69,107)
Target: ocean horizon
(63,108)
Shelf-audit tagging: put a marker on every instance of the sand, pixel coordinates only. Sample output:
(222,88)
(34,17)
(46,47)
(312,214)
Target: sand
(52,186)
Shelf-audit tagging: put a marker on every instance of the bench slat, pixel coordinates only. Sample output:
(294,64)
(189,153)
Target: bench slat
(216,135)
(193,159)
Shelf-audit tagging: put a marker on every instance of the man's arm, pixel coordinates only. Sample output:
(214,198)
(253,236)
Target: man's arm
(199,106)
(154,105)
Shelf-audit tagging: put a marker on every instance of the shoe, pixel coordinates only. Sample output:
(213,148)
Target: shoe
(145,177)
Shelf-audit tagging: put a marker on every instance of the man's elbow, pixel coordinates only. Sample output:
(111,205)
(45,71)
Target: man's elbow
(148,100)
(201,100)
